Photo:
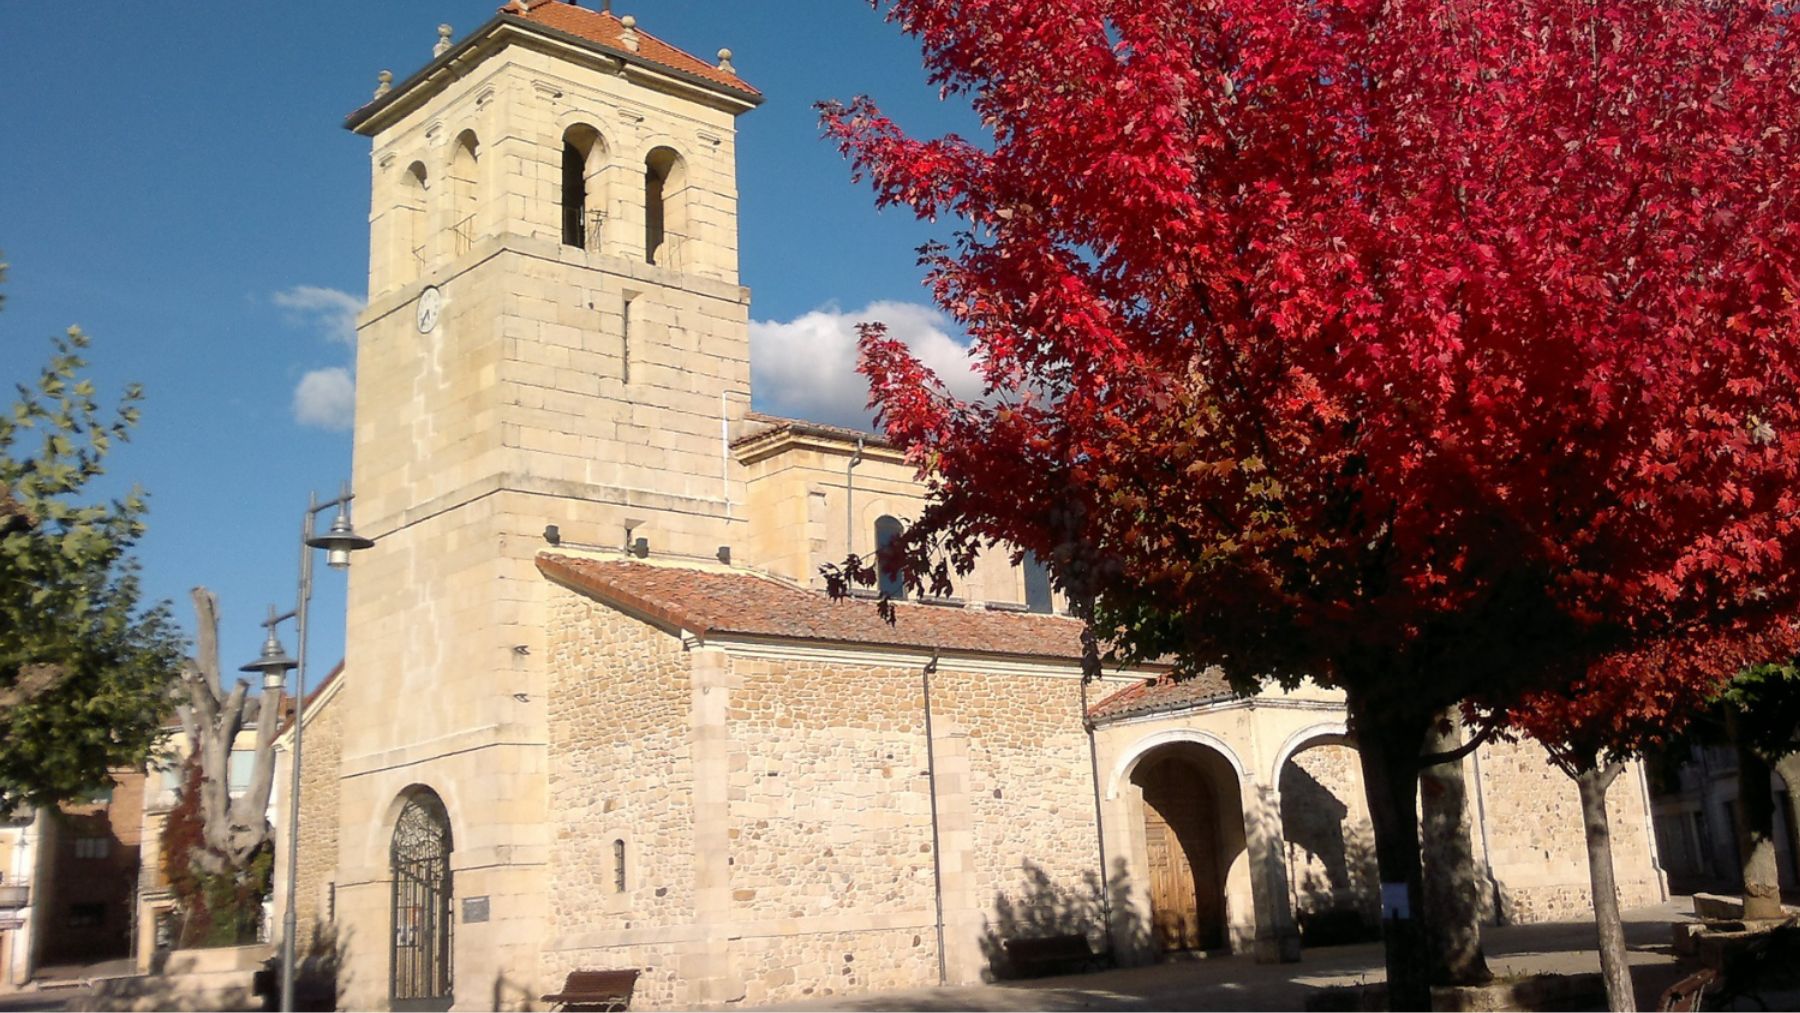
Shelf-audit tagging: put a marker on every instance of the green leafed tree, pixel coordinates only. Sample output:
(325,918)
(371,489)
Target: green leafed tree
(86,670)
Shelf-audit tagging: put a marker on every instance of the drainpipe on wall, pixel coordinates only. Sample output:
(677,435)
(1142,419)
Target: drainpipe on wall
(1087,723)
(1662,875)
(849,495)
(937,857)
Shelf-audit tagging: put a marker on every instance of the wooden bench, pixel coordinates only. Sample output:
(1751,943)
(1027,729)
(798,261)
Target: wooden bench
(609,990)
(1052,954)
(1686,995)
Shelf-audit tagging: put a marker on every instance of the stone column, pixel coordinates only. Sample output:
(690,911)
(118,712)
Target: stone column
(963,959)
(1127,883)
(1277,937)
(704,966)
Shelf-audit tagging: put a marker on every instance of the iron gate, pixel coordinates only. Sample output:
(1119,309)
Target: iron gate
(421,951)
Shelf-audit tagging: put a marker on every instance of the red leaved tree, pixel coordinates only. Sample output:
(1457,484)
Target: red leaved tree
(1431,350)
(1622,706)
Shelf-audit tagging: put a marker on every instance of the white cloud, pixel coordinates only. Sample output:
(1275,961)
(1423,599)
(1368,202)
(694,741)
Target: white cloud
(333,312)
(806,367)
(325,398)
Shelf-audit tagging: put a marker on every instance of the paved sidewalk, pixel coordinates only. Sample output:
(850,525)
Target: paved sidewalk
(1239,983)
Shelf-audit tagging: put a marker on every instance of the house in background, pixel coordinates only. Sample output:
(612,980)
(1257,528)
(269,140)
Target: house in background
(1695,810)
(68,878)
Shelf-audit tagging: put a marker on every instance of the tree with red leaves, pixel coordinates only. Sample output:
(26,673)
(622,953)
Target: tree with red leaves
(1620,708)
(1435,351)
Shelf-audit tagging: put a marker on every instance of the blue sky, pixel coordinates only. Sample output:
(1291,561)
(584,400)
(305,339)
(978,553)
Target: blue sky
(176,180)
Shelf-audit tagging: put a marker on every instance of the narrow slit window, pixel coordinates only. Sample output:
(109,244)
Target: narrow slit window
(619,866)
(625,340)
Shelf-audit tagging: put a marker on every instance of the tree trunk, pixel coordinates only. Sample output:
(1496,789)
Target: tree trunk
(1389,745)
(1789,769)
(1615,968)
(1755,826)
(1453,889)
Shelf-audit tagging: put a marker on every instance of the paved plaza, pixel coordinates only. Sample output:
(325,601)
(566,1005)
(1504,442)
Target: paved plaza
(1239,983)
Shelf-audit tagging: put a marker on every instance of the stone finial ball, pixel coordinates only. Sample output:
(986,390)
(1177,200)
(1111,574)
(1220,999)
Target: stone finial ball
(444,31)
(725,54)
(629,21)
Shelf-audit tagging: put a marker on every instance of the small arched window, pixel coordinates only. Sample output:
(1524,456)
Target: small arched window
(583,156)
(1037,584)
(892,584)
(619,865)
(664,210)
(465,182)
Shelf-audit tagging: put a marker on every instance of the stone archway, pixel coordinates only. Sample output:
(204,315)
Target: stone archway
(1328,842)
(1191,816)
(421,974)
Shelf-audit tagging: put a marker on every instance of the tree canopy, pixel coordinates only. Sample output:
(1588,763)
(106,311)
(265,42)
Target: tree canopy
(85,669)
(1438,351)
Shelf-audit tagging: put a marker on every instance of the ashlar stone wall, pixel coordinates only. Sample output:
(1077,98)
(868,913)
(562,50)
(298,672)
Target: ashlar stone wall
(1535,840)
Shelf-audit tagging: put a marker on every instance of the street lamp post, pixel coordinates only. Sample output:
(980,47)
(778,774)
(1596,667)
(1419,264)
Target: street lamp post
(338,542)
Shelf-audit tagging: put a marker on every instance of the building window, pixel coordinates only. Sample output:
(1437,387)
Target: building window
(582,159)
(1037,584)
(92,847)
(239,770)
(86,916)
(619,866)
(663,209)
(892,584)
(465,189)
(414,185)
(625,337)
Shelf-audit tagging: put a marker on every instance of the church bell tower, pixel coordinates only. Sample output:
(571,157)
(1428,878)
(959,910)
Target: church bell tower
(555,349)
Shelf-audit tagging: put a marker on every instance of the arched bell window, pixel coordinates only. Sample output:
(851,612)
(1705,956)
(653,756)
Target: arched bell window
(665,206)
(583,197)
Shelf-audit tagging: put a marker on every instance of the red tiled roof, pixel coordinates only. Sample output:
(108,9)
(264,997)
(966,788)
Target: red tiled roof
(608,31)
(1163,693)
(712,602)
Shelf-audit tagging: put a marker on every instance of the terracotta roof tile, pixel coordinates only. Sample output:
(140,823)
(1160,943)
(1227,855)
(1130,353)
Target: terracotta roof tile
(606,29)
(1163,693)
(717,602)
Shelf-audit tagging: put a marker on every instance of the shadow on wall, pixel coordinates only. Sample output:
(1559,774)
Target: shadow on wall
(511,994)
(1047,908)
(1331,863)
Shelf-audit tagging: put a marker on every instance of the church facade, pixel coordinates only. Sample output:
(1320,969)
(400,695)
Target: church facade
(596,712)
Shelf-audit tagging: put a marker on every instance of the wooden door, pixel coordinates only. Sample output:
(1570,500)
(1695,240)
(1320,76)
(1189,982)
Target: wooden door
(1187,897)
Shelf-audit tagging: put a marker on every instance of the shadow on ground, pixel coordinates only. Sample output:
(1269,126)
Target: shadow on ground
(1239,983)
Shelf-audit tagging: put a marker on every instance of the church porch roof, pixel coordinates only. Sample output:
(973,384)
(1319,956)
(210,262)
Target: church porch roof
(1163,693)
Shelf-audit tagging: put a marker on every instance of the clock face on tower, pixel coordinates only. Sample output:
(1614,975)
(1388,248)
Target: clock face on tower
(431,303)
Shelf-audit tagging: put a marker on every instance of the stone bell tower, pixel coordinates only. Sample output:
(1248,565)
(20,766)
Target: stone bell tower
(555,335)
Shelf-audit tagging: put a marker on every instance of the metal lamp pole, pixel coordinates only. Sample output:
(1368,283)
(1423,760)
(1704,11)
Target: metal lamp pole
(338,543)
